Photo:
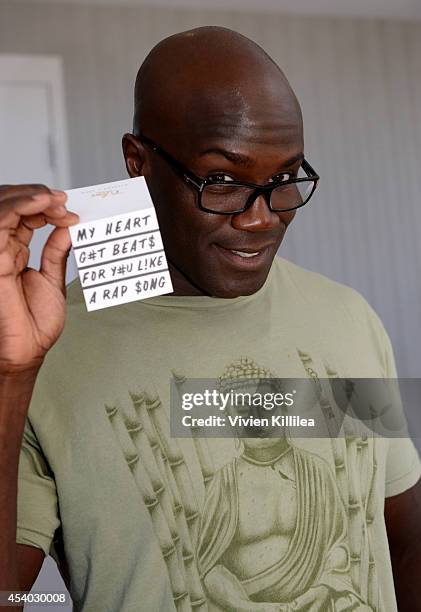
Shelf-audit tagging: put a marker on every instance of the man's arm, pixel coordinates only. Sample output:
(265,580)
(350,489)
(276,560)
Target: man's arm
(32,315)
(30,560)
(19,565)
(403,522)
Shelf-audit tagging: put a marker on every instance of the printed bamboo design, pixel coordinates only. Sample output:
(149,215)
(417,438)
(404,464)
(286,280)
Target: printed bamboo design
(364,469)
(325,405)
(152,502)
(177,464)
(339,455)
(368,486)
(201,444)
(373,590)
(356,468)
(189,523)
(160,474)
(354,511)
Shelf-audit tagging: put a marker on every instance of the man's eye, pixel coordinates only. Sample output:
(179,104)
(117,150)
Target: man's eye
(220,178)
(284,176)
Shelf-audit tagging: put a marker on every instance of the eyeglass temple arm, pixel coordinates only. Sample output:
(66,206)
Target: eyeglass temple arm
(309,170)
(174,163)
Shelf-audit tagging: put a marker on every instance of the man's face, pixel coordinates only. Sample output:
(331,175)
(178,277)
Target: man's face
(248,137)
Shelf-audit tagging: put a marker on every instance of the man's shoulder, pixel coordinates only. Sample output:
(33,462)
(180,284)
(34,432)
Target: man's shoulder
(319,291)
(329,303)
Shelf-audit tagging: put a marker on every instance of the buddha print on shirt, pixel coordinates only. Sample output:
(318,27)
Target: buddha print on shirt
(285,534)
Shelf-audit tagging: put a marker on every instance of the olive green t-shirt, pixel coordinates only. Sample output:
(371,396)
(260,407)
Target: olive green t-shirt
(142,521)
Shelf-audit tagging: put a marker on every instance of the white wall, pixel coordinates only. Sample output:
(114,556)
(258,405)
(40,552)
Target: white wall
(360,87)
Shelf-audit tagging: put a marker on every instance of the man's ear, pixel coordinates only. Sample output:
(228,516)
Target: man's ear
(134,155)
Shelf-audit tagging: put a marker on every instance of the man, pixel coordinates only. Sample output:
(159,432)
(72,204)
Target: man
(102,485)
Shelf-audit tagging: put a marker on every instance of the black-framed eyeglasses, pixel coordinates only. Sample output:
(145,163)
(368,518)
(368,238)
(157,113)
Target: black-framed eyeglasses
(230,197)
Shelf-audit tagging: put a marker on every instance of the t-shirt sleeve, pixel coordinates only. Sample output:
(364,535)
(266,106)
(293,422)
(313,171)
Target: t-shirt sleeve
(403,466)
(37,509)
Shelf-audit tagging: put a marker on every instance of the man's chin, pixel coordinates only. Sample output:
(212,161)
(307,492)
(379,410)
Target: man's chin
(240,287)
(221,281)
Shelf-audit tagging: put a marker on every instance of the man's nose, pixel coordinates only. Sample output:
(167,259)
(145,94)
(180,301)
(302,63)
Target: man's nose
(257,218)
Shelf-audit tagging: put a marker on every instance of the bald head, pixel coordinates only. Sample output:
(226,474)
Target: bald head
(206,79)
(217,106)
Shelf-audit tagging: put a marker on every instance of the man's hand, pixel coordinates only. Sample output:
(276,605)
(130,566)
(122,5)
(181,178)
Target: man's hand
(32,303)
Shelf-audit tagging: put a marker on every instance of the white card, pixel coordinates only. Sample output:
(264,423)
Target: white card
(118,245)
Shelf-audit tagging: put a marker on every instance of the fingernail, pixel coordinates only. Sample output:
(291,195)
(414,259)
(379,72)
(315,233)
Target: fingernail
(57,192)
(39,196)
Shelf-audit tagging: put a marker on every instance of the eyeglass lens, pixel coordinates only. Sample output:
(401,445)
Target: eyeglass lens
(226,197)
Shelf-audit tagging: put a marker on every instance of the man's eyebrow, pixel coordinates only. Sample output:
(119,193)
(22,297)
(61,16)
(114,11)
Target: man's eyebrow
(244,160)
(235,158)
(293,160)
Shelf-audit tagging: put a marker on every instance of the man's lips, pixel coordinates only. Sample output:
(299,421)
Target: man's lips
(247,257)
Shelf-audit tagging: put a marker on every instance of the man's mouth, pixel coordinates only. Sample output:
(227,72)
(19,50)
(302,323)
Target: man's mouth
(246,257)
(244,253)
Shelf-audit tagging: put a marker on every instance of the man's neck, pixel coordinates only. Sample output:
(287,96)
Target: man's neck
(181,284)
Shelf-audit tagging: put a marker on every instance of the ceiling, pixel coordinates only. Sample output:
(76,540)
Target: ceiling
(388,9)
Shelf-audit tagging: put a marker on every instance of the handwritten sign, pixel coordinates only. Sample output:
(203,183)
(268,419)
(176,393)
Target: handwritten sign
(118,245)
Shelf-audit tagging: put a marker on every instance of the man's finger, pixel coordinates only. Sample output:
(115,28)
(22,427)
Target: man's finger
(54,257)
(11,191)
(13,209)
(60,220)
(27,225)
(66,220)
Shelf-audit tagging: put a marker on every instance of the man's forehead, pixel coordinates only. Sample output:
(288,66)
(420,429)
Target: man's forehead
(244,142)
(239,118)
(245,103)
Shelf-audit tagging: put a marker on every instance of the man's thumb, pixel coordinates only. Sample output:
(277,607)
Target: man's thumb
(54,257)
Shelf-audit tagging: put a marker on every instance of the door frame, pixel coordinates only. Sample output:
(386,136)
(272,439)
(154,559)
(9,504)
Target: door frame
(48,70)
